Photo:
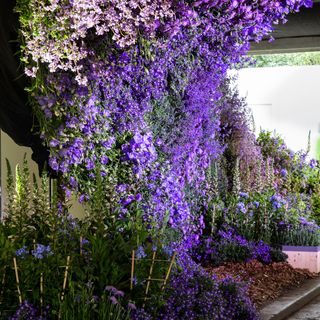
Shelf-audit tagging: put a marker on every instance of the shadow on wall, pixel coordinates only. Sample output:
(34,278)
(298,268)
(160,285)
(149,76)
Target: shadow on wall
(285,99)
(15,154)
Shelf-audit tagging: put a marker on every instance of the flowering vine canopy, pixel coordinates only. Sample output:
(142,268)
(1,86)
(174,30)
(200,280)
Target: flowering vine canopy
(130,93)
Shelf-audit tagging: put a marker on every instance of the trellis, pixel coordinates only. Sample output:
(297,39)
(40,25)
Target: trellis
(149,279)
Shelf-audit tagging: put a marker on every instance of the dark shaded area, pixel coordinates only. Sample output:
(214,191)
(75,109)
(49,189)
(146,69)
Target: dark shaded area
(16,117)
(300,34)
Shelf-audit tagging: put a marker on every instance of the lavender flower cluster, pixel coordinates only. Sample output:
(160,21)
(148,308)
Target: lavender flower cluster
(40,251)
(193,294)
(229,246)
(27,311)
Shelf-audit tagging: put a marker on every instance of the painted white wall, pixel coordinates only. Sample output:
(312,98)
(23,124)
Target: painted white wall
(15,154)
(285,99)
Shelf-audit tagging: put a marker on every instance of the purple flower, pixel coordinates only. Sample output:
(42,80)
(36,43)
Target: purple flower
(140,253)
(138,197)
(27,311)
(277,202)
(114,300)
(132,306)
(283,173)
(85,242)
(241,207)
(313,163)
(104,160)
(41,251)
(256,204)
(244,195)
(125,202)
(21,252)
(114,291)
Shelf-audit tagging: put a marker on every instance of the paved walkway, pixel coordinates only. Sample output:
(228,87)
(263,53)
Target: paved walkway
(310,312)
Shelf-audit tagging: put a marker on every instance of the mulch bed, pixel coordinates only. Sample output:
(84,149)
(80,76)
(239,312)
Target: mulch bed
(266,282)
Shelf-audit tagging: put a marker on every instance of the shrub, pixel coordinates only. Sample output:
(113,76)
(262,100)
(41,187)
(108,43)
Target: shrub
(228,246)
(195,295)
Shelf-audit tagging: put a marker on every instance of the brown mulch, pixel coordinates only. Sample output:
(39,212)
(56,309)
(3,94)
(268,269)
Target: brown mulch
(266,282)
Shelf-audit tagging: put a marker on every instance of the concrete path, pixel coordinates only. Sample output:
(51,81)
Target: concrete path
(294,302)
(310,312)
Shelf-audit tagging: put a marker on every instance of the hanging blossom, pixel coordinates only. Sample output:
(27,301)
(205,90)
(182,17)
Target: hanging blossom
(103,124)
(118,71)
(56,33)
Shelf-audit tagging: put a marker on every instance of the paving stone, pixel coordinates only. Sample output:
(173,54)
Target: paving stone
(310,312)
(294,301)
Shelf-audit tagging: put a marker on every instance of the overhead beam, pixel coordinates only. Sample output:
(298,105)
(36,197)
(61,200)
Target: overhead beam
(286,45)
(300,34)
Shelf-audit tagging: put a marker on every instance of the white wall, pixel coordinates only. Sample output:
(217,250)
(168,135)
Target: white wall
(285,99)
(15,154)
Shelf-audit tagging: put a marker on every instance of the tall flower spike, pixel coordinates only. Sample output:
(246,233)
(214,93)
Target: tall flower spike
(247,184)
(258,181)
(222,177)
(271,173)
(212,180)
(236,183)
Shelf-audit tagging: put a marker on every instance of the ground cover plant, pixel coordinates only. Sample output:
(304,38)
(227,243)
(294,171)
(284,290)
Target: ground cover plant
(143,125)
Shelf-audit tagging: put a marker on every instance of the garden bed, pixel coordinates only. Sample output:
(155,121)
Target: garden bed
(266,282)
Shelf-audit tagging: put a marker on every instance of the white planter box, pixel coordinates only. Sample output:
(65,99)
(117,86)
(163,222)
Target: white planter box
(303,257)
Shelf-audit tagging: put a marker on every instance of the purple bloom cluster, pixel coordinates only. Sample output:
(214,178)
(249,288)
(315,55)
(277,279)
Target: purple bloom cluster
(241,207)
(231,247)
(244,195)
(310,225)
(114,291)
(41,251)
(22,252)
(135,89)
(277,201)
(313,163)
(27,311)
(283,173)
(140,253)
(193,294)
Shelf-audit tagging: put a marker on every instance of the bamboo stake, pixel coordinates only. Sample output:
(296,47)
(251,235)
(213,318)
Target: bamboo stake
(41,292)
(81,245)
(155,279)
(157,260)
(149,278)
(65,278)
(2,283)
(169,271)
(132,270)
(17,279)
(64,284)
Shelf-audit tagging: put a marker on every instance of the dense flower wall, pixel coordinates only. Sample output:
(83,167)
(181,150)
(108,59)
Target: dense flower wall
(131,91)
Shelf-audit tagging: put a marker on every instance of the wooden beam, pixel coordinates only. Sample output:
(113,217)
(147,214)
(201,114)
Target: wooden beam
(286,45)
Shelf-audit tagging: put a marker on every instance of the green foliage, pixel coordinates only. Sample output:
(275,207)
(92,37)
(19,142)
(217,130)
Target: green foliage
(273,147)
(19,198)
(99,255)
(300,235)
(277,255)
(288,59)
(82,304)
(10,188)
(294,175)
